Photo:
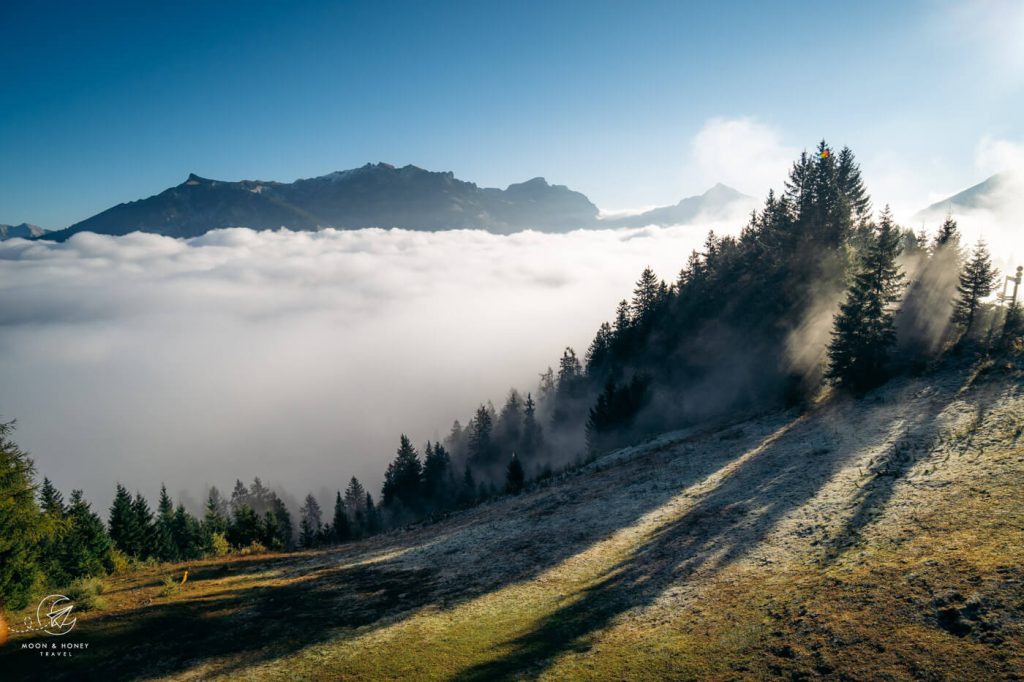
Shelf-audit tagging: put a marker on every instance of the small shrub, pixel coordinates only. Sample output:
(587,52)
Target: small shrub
(219,545)
(85,593)
(120,562)
(253,547)
(171,586)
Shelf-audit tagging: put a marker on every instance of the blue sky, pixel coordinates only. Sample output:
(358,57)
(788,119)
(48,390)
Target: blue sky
(635,104)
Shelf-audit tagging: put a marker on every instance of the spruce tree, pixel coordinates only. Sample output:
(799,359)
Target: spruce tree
(310,522)
(284,521)
(246,527)
(948,235)
(355,503)
(864,333)
(22,525)
(373,522)
(646,296)
(145,526)
(50,499)
(533,439)
(402,478)
(124,531)
(467,490)
(86,549)
(166,548)
(51,502)
(339,525)
(436,475)
(514,476)
(481,447)
(215,516)
(978,280)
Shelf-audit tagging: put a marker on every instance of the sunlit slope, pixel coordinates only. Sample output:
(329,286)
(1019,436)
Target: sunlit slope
(874,538)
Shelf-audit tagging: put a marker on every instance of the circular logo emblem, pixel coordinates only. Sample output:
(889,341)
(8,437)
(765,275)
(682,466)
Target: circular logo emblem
(54,615)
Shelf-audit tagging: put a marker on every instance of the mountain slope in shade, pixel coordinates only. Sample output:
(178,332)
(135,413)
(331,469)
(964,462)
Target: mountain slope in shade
(375,195)
(24,231)
(718,202)
(987,194)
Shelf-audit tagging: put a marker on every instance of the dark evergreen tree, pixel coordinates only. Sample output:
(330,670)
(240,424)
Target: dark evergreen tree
(514,476)
(646,297)
(864,330)
(481,446)
(508,430)
(124,530)
(978,280)
(611,418)
(436,477)
(215,518)
(166,548)
(147,530)
(86,547)
(948,234)
(852,186)
(467,489)
(340,525)
(50,500)
(187,533)
(532,442)
(373,522)
(22,524)
(270,537)
(355,503)
(283,517)
(310,522)
(402,478)
(246,527)
(598,355)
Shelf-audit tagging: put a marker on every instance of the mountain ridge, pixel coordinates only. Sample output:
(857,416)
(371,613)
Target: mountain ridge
(380,195)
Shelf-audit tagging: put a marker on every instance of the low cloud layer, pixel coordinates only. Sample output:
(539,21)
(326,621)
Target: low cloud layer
(298,357)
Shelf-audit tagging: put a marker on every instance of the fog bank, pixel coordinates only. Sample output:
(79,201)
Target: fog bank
(297,357)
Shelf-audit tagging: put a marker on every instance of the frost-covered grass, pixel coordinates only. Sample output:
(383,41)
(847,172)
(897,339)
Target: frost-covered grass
(871,539)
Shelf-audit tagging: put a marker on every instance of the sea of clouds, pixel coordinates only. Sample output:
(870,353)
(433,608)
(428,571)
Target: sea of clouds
(295,356)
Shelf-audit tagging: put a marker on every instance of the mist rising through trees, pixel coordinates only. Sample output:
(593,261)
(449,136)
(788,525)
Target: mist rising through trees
(715,341)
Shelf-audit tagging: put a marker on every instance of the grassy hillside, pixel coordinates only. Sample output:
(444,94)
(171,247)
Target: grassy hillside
(862,539)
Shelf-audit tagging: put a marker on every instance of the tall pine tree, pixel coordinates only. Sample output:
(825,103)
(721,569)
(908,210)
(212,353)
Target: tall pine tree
(22,525)
(978,280)
(864,333)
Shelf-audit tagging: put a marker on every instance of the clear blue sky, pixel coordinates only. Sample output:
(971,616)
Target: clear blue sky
(107,102)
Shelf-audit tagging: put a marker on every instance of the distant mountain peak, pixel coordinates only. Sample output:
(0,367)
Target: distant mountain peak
(720,201)
(373,195)
(987,194)
(22,231)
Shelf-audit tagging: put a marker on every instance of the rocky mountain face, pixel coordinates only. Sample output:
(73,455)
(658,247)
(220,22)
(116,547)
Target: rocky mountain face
(24,231)
(376,195)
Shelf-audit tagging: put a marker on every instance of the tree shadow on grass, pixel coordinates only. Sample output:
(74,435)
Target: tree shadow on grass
(725,524)
(773,467)
(323,596)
